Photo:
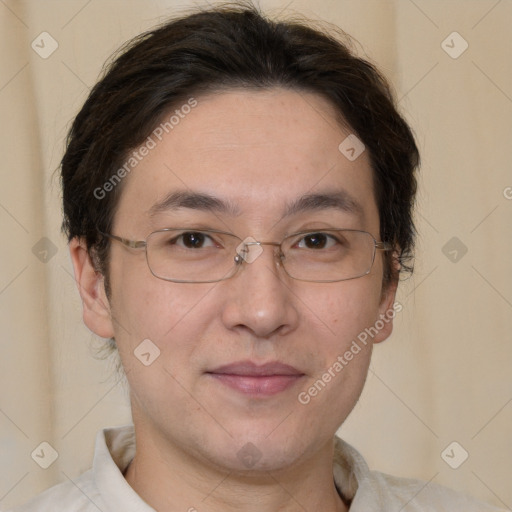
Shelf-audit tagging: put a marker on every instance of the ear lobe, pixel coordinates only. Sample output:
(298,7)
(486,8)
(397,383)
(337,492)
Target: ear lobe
(387,312)
(90,282)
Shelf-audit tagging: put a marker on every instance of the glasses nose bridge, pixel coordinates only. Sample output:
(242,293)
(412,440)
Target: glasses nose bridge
(275,244)
(256,242)
(252,243)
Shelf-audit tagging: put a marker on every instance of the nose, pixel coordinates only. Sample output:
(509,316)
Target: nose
(260,298)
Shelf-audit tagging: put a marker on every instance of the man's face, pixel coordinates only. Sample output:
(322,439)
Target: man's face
(258,151)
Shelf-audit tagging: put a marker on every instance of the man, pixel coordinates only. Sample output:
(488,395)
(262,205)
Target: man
(237,197)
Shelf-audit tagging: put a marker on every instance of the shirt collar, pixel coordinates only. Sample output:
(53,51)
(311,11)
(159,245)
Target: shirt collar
(115,449)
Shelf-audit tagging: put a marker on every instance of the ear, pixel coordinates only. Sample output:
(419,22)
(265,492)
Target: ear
(90,282)
(388,307)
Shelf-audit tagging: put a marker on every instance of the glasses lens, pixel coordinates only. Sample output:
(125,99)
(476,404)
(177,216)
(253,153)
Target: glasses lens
(208,256)
(329,255)
(191,255)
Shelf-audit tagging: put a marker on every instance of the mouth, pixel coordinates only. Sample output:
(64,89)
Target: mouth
(250,378)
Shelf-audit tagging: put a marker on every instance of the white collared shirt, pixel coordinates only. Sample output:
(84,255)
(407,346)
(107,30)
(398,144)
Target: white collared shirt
(104,489)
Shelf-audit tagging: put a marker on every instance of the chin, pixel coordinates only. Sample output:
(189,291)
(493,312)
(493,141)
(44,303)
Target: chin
(256,451)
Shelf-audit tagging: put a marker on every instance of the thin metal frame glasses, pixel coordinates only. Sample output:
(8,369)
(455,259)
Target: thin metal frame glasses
(189,255)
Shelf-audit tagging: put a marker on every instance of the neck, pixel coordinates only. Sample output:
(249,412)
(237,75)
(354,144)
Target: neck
(169,480)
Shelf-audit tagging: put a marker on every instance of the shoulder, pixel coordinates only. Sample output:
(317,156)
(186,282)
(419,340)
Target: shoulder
(79,495)
(417,495)
(102,487)
(373,491)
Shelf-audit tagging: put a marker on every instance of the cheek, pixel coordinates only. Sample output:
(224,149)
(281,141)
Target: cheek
(174,317)
(341,353)
(345,308)
(147,305)
(339,318)
(159,341)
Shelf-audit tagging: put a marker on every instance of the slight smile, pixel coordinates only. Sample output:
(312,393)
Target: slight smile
(257,380)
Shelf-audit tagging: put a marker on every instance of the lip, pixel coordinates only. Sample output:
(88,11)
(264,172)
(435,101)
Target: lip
(252,369)
(255,379)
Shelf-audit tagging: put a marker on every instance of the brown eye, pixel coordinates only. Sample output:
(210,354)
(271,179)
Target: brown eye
(193,240)
(316,241)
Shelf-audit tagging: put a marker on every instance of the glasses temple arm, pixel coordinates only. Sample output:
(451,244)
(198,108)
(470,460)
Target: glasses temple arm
(134,244)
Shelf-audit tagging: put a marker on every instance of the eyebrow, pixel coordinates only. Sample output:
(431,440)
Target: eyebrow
(194,201)
(338,200)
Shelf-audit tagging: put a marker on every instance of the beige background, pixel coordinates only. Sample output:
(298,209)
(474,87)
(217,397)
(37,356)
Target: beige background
(445,375)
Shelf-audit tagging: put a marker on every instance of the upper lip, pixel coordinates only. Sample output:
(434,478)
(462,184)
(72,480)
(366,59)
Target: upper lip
(250,368)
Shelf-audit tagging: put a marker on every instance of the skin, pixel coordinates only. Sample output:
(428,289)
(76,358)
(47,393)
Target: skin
(260,150)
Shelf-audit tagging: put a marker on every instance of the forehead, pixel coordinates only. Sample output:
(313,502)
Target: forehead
(258,150)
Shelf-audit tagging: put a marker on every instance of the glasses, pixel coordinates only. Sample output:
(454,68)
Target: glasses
(187,255)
